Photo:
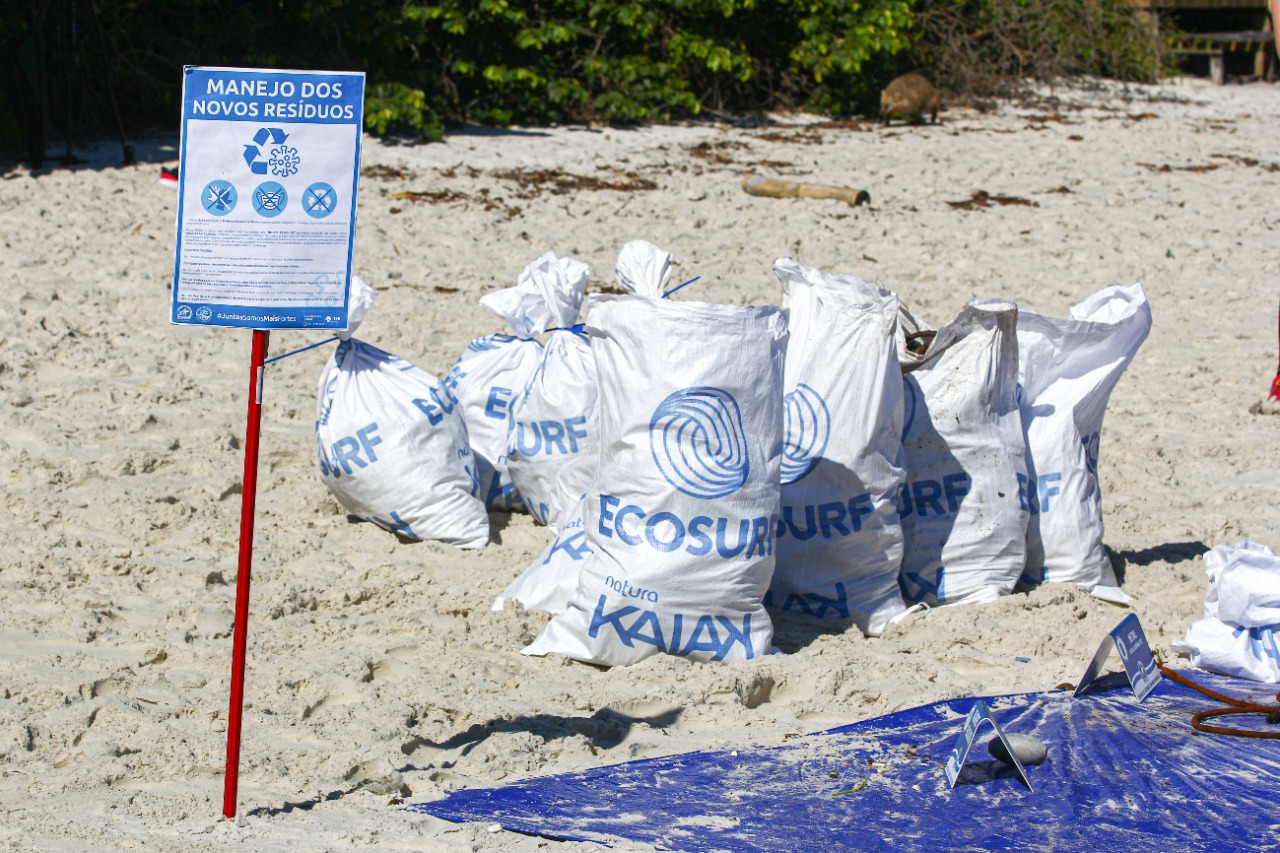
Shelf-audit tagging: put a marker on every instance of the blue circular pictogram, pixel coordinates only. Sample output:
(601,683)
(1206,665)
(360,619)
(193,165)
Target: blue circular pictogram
(270,199)
(698,442)
(807,431)
(319,200)
(218,197)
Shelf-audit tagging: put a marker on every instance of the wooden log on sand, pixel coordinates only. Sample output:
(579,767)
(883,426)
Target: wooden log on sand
(759,185)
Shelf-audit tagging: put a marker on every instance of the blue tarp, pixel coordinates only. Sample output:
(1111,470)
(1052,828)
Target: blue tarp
(1120,776)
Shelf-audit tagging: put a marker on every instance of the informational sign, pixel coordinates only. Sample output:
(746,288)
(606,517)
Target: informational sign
(979,714)
(267,197)
(1130,643)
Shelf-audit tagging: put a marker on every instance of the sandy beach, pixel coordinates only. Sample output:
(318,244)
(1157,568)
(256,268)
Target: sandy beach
(376,672)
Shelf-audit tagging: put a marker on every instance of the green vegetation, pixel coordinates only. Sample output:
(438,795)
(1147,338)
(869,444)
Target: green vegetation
(72,70)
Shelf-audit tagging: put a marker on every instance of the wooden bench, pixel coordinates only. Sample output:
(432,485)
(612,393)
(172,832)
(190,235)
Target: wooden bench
(1216,46)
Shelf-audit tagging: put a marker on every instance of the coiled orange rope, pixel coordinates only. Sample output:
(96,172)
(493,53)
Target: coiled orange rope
(1234,706)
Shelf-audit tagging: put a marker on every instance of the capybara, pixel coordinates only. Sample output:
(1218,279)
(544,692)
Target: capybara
(910,96)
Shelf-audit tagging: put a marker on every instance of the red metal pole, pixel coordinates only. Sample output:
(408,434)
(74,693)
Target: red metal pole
(240,630)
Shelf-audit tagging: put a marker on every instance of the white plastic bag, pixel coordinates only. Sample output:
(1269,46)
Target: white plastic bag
(492,374)
(681,519)
(964,525)
(393,448)
(553,420)
(839,547)
(1238,634)
(1068,369)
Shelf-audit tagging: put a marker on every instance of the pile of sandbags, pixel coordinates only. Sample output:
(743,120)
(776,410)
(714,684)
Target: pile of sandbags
(702,465)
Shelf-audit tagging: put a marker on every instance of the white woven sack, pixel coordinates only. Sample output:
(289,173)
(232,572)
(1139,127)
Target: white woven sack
(549,582)
(1238,634)
(1067,371)
(493,373)
(553,420)
(839,546)
(393,448)
(681,518)
(963,524)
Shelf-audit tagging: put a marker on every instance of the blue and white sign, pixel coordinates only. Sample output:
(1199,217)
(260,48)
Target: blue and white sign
(267,197)
(978,715)
(1130,643)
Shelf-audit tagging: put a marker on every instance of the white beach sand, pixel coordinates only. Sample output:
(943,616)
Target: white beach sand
(376,669)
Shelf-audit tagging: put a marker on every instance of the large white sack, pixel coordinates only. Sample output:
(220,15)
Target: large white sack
(839,547)
(681,518)
(1067,371)
(548,584)
(553,420)
(1237,635)
(393,448)
(492,373)
(964,524)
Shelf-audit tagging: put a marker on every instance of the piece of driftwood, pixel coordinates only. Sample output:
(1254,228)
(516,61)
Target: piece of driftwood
(760,185)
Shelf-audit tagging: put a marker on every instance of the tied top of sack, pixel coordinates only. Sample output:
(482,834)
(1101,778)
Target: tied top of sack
(643,269)
(547,295)
(360,300)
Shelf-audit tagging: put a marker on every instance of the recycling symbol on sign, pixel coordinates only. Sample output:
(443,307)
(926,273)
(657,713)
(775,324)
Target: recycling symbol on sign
(283,160)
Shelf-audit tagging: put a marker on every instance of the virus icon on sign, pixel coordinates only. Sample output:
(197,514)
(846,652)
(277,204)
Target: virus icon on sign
(284,161)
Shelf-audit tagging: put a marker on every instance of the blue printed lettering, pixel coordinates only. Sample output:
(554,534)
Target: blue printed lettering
(434,417)
(629,509)
(574,545)
(600,619)
(666,532)
(699,535)
(1046,490)
(368,439)
(345,451)
(815,604)
(677,526)
(553,435)
(573,428)
(498,403)
(528,449)
(722,547)
(956,486)
(760,538)
(832,515)
(788,523)
(926,494)
(607,503)
(715,635)
(859,507)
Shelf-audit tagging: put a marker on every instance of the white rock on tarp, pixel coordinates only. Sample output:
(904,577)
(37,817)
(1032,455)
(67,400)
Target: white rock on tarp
(1029,749)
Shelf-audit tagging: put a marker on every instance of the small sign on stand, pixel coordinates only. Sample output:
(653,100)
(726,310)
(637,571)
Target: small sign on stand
(1130,643)
(979,714)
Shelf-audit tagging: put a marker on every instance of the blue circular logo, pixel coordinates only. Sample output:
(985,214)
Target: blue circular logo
(807,431)
(218,197)
(270,199)
(319,200)
(698,442)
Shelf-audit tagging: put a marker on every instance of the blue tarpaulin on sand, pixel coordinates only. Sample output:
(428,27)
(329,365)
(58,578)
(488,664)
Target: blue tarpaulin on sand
(1120,776)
